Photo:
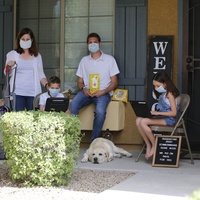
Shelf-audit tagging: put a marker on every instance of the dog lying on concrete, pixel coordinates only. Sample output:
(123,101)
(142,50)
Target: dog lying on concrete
(103,150)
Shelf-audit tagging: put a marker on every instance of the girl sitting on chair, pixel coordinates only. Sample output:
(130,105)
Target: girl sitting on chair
(166,92)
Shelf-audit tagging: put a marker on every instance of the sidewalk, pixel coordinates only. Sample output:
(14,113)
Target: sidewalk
(149,182)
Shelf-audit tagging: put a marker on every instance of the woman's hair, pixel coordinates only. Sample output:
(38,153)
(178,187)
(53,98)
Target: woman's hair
(162,77)
(53,79)
(93,35)
(33,49)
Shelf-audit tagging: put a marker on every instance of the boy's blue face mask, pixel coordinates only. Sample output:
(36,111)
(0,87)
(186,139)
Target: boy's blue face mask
(54,92)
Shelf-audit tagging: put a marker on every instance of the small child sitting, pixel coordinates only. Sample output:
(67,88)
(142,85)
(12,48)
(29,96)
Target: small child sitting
(53,91)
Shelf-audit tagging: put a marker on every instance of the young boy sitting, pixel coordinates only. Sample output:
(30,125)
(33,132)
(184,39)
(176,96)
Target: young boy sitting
(53,91)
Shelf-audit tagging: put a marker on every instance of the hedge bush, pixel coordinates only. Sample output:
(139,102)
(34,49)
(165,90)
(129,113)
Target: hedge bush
(41,147)
(195,195)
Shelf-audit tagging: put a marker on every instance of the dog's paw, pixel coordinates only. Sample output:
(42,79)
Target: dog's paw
(129,155)
(110,159)
(118,155)
(84,160)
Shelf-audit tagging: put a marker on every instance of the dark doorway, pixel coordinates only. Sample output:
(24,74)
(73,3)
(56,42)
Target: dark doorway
(6,33)
(193,71)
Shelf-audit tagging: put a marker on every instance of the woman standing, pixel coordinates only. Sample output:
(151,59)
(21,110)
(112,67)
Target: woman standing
(26,74)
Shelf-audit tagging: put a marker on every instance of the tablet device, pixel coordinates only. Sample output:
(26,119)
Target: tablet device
(141,109)
(57,104)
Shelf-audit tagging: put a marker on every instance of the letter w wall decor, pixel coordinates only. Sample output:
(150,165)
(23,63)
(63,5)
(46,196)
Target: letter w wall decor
(160,56)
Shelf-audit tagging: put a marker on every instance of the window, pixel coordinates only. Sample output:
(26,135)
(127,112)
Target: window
(81,17)
(43,17)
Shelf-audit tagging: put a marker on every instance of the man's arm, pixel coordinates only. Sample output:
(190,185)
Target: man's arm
(112,86)
(80,83)
(81,86)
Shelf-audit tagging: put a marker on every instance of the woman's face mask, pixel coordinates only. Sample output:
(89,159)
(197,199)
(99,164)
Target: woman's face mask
(25,44)
(160,89)
(93,47)
(54,92)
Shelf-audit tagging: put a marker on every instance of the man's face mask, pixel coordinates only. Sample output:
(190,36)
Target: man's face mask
(93,47)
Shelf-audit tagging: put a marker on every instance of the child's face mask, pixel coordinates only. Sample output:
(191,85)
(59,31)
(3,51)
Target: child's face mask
(161,89)
(54,92)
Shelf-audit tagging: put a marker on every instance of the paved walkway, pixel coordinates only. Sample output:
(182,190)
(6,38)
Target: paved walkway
(149,182)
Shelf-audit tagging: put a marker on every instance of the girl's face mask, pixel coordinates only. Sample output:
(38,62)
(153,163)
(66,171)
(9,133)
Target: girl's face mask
(160,89)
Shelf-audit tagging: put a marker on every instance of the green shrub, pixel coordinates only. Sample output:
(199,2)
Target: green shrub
(195,195)
(41,147)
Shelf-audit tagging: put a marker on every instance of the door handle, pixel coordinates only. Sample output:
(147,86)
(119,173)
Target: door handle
(189,59)
(189,65)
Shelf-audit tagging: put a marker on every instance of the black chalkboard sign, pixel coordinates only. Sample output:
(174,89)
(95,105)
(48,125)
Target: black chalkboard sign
(167,151)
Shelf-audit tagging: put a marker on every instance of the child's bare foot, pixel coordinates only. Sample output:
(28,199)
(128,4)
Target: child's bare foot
(152,151)
(67,112)
(146,156)
(148,152)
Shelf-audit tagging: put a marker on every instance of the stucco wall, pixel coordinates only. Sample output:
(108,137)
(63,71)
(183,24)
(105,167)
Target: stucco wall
(162,20)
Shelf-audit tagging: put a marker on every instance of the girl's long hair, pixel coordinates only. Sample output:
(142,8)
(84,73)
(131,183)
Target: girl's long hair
(170,87)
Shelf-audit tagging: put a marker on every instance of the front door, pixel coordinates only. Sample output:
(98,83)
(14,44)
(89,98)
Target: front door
(193,70)
(130,46)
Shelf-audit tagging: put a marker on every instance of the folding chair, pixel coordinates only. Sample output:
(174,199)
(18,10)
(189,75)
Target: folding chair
(36,102)
(179,128)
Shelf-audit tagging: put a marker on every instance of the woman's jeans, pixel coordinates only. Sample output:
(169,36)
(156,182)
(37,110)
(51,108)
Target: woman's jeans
(101,103)
(24,102)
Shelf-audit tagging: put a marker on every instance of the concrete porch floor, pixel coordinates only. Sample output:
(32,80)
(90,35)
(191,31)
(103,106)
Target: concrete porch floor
(149,182)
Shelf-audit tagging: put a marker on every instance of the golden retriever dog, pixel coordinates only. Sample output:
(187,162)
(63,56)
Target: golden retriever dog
(102,150)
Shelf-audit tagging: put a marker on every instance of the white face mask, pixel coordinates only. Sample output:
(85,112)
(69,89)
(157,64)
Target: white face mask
(161,89)
(25,44)
(93,47)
